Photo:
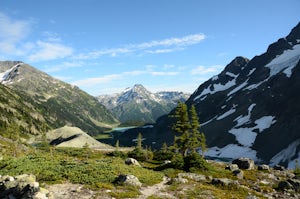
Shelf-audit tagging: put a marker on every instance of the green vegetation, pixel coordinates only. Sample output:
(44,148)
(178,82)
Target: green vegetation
(72,165)
(186,125)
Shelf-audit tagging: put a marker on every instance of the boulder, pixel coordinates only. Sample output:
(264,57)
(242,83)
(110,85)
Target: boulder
(244,163)
(21,186)
(232,167)
(238,173)
(295,183)
(128,180)
(263,167)
(223,182)
(132,161)
(279,168)
(193,176)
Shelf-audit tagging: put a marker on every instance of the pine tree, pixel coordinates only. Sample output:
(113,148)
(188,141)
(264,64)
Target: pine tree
(195,140)
(182,126)
(203,143)
(187,126)
(139,141)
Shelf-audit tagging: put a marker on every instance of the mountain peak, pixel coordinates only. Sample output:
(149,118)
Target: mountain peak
(236,65)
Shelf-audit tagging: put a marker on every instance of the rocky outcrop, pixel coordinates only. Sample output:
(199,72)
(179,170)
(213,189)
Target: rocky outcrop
(22,186)
(244,163)
(130,180)
(132,161)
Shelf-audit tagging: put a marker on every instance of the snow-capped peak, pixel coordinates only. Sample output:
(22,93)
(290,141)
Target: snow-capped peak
(8,75)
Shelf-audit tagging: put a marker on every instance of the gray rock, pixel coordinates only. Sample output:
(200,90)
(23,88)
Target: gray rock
(193,176)
(238,173)
(22,186)
(232,167)
(295,183)
(223,182)
(279,167)
(263,167)
(244,163)
(284,185)
(132,161)
(129,180)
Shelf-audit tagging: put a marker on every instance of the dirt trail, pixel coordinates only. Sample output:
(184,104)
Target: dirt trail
(157,190)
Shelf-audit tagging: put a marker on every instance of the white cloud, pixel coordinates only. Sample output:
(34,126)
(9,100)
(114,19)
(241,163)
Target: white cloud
(152,47)
(49,51)
(88,82)
(203,70)
(183,41)
(12,32)
(160,73)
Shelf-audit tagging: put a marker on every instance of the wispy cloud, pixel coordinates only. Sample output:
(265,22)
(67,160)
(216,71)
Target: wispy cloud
(48,51)
(13,35)
(88,82)
(151,47)
(204,70)
(12,32)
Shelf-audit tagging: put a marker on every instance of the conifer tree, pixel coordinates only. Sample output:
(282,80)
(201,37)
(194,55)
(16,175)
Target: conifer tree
(139,141)
(182,126)
(195,136)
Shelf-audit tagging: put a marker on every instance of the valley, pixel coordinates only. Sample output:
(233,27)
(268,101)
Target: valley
(59,141)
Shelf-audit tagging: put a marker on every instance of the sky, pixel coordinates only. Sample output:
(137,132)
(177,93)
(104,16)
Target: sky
(104,47)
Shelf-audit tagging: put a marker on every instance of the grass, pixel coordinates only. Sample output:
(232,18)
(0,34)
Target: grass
(74,166)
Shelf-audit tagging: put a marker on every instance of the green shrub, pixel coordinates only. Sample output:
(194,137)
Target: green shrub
(177,161)
(194,161)
(138,154)
(163,155)
(117,154)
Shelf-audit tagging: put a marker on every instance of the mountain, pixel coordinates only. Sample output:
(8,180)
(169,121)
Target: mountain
(250,109)
(138,105)
(56,102)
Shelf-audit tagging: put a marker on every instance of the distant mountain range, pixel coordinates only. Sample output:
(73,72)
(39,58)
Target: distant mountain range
(250,109)
(34,102)
(137,105)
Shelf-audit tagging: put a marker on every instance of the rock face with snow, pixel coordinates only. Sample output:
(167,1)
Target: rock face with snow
(251,109)
(138,105)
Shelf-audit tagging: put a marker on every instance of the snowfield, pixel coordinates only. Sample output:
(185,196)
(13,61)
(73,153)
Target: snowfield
(287,60)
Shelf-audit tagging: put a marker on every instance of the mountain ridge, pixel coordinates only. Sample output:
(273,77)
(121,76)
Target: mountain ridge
(250,109)
(137,104)
(60,103)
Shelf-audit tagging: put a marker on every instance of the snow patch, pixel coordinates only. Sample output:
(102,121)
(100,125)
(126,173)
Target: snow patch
(231,74)
(216,88)
(245,136)
(241,120)
(287,155)
(264,123)
(232,110)
(251,71)
(9,74)
(238,88)
(232,151)
(287,60)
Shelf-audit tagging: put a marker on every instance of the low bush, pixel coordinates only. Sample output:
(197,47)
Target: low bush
(195,161)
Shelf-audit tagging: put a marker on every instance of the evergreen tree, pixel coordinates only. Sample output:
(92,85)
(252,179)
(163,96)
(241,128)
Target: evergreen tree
(195,137)
(187,126)
(139,141)
(182,126)
(203,143)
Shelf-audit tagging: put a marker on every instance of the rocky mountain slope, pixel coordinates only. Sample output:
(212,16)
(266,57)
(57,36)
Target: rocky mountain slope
(250,109)
(138,105)
(52,101)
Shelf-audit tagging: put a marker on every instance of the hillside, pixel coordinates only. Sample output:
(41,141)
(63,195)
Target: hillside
(138,105)
(250,109)
(59,103)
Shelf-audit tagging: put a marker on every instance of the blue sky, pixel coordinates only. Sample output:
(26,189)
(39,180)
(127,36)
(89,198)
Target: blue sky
(106,46)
